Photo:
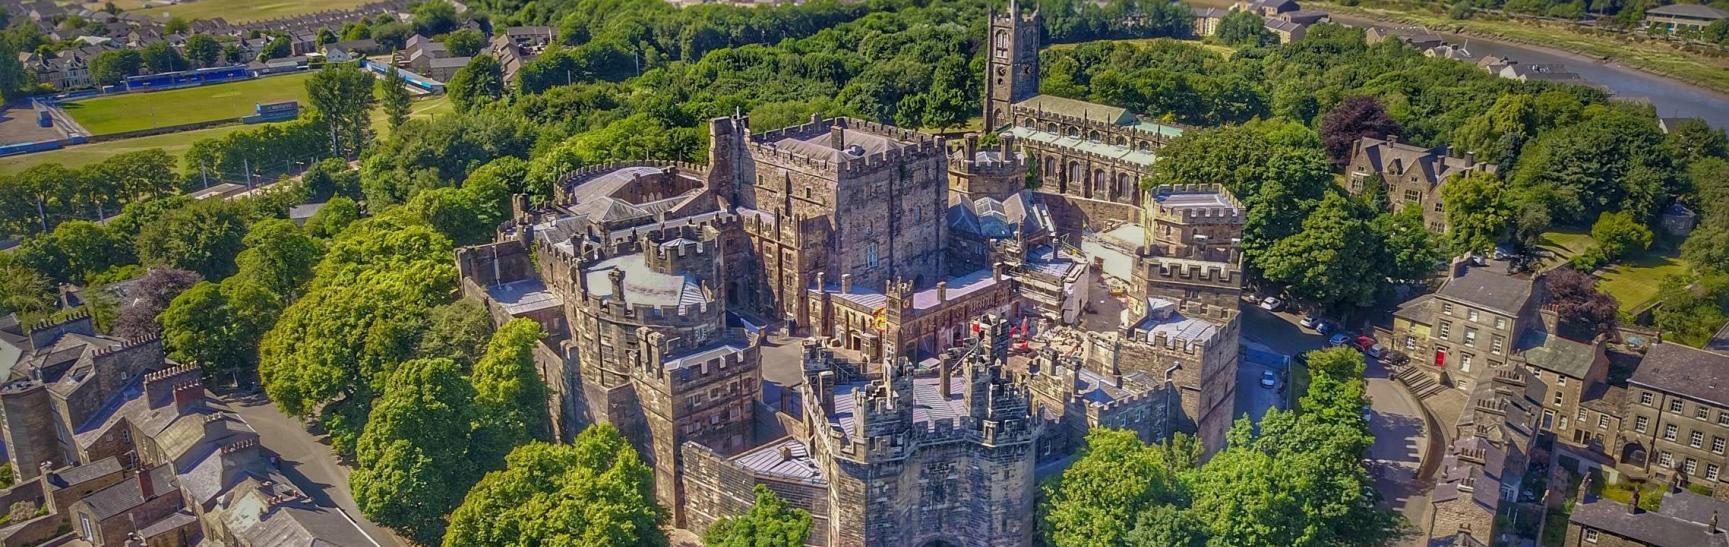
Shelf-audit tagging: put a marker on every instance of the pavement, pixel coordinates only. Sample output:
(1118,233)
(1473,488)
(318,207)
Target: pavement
(308,461)
(1401,437)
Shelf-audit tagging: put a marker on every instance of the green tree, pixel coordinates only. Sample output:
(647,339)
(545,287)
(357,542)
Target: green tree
(336,214)
(1244,29)
(13,78)
(203,49)
(112,67)
(465,42)
(276,49)
(160,57)
(1333,261)
(479,82)
(196,327)
(1477,212)
(76,250)
(344,94)
(458,331)
(412,466)
(279,256)
(395,99)
(176,25)
(1619,235)
(510,396)
(325,37)
(1612,161)
(434,18)
(595,491)
(1115,478)
(770,523)
(24,290)
(202,236)
(1413,252)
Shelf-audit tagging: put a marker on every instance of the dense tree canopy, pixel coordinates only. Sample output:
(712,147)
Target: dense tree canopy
(770,523)
(412,463)
(595,491)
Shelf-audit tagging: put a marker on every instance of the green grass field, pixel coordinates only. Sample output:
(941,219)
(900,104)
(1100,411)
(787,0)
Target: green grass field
(134,111)
(1633,281)
(177,143)
(236,11)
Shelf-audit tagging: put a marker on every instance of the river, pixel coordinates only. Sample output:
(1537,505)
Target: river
(1672,98)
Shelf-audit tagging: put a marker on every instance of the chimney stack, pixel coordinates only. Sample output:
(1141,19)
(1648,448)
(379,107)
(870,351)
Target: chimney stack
(943,376)
(1008,145)
(942,291)
(972,141)
(837,136)
(617,278)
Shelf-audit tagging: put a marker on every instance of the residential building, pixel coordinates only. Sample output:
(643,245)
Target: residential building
(1411,176)
(1675,18)
(1684,519)
(1676,421)
(1484,467)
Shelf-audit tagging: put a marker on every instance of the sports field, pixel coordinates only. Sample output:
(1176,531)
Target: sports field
(237,11)
(177,143)
(134,111)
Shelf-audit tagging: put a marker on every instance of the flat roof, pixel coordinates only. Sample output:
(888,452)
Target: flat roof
(519,297)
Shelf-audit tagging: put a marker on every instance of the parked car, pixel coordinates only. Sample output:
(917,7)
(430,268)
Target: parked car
(1268,379)
(1310,321)
(1324,327)
(1338,340)
(1368,346)
(1272,303)
(1394,358)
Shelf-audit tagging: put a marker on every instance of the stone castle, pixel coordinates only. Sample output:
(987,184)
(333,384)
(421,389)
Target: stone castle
(938,330)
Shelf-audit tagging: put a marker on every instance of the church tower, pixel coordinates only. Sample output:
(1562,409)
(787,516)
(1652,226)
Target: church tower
(1012,67)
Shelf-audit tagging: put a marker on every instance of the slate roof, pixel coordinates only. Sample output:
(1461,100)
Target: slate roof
(929,405)
(1113,151)
(1692,373)
(1679,522)
(1556,354)
(1689,10)
(1073,108)
(643,285)
(767,460)
(64,478)
(1484,287)
(1436,166)
(524,296)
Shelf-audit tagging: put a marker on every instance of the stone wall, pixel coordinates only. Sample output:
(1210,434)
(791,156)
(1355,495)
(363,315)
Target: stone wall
(716,488)
(1073,214)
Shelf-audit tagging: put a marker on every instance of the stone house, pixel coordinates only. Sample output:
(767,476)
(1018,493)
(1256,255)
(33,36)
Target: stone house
(1469,325)
(1684,519)
(1485,465)
(1412,175)
(1676,420)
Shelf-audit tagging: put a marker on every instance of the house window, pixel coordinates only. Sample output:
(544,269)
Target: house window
(1675,406)
(1702,413)
(1583,415)
(1696,439)
(1560,380)
(1639,423)
(1669,432)
(1447,308)
(1690,467)
(1711,471)
(1645,398)
(1558,399)
(1437,206)
(1717,445)
(1465,363)
(1472,315)
(1591,535)
(1471,337)
(1500,323)
(1496,343)
(1413,196)
(1722,417)
(1446,329)
(1666,459)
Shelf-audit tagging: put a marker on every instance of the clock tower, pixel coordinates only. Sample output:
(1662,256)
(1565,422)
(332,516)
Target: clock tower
(1012,63)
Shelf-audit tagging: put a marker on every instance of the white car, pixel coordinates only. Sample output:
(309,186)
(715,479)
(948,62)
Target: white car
(1272,303)
(1268,379)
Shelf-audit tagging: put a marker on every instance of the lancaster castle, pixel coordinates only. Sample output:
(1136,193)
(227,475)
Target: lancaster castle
(891,330)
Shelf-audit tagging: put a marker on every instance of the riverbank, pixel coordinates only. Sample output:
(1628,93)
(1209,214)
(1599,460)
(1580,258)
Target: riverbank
(1655,57)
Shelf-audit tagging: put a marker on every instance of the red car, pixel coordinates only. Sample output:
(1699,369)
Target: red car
(1367,345)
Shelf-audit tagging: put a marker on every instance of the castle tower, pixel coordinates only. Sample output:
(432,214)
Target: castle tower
(1012,68)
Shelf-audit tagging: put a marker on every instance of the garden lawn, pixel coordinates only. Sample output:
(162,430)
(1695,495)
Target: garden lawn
(238,11)
(134,111)
(1634,281)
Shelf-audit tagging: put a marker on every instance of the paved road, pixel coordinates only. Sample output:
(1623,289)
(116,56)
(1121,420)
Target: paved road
(1400,438)
(307,461)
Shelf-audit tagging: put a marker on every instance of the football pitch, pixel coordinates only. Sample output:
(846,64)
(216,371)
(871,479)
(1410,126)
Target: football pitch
(135,111)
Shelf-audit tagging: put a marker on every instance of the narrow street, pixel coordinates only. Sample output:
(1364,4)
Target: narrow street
(1401,437)
(307,461)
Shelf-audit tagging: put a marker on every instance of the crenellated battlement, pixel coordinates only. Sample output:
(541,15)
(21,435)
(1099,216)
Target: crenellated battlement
(913,145)
(1219,273)
(237,446)
(1232,212)
(171,374)
(127,346)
